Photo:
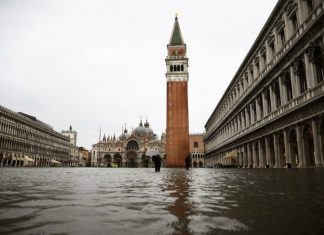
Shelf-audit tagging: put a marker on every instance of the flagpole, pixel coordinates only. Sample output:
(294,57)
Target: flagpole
(98,160)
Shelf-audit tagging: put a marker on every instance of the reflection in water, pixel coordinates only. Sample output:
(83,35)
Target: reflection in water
(177,185)
(173,201)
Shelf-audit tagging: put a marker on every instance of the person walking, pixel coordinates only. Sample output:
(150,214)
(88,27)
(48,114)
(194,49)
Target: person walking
(188,162)
(157,162)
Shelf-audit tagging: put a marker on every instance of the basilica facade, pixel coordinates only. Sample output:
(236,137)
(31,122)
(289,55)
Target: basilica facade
(272,113)
(129,149)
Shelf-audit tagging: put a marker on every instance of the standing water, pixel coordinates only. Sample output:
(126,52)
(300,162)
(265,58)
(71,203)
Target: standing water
(173,201)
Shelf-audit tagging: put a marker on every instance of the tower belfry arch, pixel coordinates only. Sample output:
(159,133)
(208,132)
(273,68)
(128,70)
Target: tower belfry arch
(177,131)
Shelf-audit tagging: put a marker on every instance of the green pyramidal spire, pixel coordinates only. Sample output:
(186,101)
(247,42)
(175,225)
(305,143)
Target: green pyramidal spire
(176,37)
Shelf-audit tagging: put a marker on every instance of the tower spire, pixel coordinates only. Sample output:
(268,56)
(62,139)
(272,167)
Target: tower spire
(176,36)
(177,132)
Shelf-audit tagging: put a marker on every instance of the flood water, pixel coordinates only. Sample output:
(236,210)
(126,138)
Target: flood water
(174,201)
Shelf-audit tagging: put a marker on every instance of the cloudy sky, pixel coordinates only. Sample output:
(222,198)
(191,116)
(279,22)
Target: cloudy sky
(101,62)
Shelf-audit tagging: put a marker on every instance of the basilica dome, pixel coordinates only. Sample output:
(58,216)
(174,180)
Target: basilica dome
(124,135)
(144,131)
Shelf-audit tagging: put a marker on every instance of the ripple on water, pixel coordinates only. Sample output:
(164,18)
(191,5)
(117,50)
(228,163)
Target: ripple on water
(174,201)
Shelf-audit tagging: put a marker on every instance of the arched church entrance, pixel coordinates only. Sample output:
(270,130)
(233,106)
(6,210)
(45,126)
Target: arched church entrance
(118,159)
(146,161)
(107,160)
(131,158)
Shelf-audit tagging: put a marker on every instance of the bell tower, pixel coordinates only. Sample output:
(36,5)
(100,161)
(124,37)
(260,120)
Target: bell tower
(177,132)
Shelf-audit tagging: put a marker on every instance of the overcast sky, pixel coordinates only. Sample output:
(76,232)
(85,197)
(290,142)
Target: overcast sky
(101,63)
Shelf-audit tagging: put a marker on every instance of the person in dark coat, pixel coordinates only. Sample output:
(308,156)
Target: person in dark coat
(157,162)
(188,161)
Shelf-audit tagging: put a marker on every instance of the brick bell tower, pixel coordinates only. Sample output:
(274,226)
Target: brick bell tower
(177,132)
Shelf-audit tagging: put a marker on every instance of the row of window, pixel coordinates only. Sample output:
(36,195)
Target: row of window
(176,68)
(18,146)
(23,132)
(279,92)
(197,155)
(285,28)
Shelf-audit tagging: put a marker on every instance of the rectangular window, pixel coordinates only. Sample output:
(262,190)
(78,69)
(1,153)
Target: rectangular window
(294,22)
(310,6)
(282,36)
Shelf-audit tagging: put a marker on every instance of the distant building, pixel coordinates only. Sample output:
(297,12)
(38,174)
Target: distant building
(26,141)
(84,157)
(128,150)
(72,135)
(74,149)
(197,149)
(272,112)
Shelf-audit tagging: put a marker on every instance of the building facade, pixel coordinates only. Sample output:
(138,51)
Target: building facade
(177,131)
(197,149)
(26,141)
(72,135)
(128,150)
(84,158)
(75,154)
(272,113)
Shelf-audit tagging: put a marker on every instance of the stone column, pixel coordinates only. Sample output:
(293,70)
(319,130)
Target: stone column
(267,151)
(5,160)
(239,123)
(247,121)
(258,109)
(124,160)
(255,155)
(265,103)
(243,119)
(139,162)
(309,72)
(287,148)
(255,70)
(261,163)
(241,157)
(276,149)
(273,99)
(301,156)
(283,95)
(268,52)
(261,63)
(276,44)
(250,77)
(287,26)
(236,125)
(301,12)
(249,156)
(245,163)
(294,82)
(316,138)
(251,113)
